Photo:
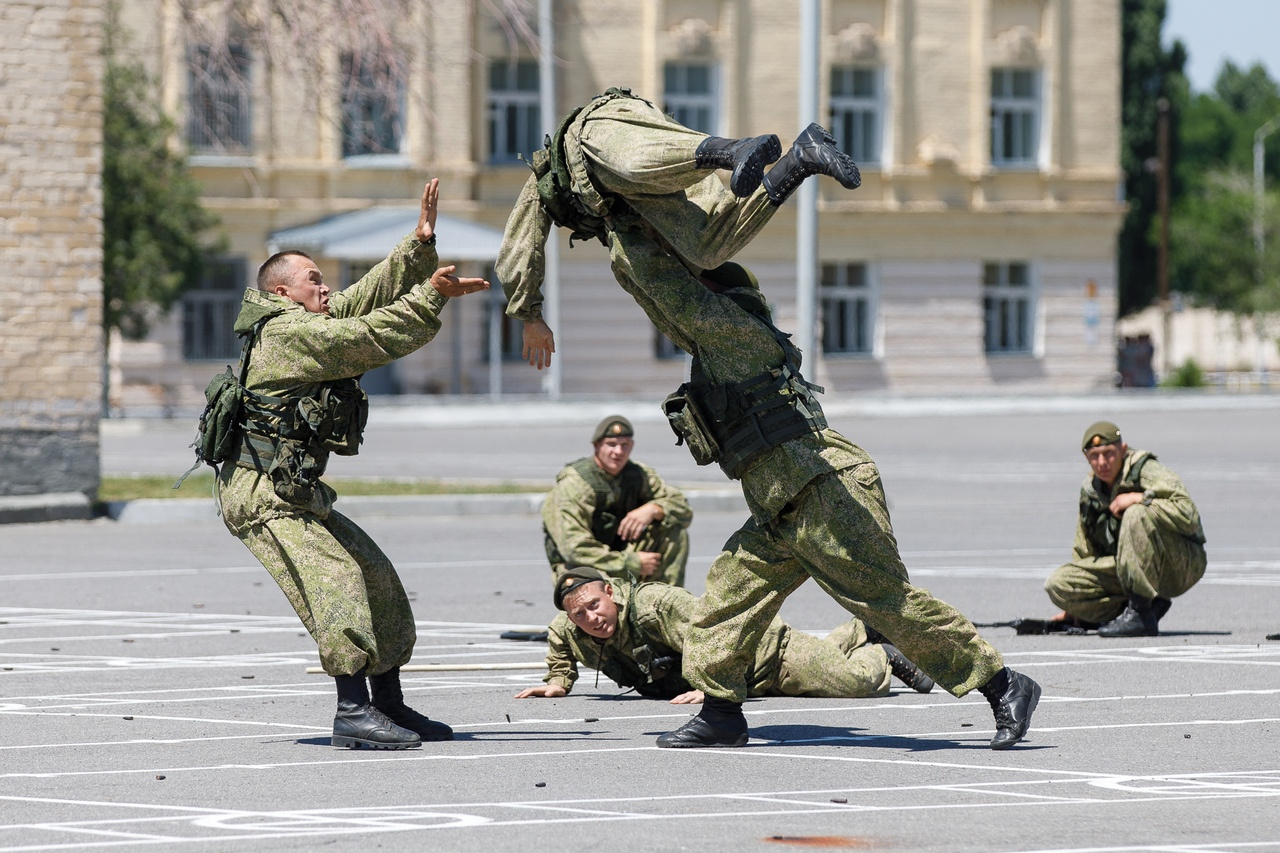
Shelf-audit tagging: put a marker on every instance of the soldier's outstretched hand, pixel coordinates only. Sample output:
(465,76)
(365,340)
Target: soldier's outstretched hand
(550,691)
(449,284)
(693,697)
(430,207)
(539,343)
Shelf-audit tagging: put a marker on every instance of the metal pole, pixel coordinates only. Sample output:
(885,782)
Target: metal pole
(806,199)
(1259,184)
(496,318)
(548,114)
(1162,269)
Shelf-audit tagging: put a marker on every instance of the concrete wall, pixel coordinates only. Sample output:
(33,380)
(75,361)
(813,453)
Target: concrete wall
(50,245)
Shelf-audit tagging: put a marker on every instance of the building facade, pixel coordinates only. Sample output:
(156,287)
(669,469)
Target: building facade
(51,253)
(978,255)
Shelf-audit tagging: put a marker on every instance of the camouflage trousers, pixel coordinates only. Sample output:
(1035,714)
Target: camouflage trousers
(841,666)
(341,585)
(1151,560)
(634,151)
(673,545)
(837,532)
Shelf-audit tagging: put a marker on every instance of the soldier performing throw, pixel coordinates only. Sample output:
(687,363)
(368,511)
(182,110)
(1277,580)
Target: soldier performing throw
(305,351)
(1139,541)
(817,506)
(613,514)
(635,634)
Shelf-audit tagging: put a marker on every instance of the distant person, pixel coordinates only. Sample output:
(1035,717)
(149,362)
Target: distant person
(1139,541)
(611,513)
(635,635)
(305,351)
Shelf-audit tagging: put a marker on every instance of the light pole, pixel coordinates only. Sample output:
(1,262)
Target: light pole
(1259,136)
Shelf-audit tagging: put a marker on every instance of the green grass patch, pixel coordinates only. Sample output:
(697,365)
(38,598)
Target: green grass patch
(200,485)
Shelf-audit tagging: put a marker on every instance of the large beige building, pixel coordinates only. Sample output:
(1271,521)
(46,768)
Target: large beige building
(978,255)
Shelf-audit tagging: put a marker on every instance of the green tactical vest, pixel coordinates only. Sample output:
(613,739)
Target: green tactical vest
(607,514)
(289,438)
(555,187)
(742,421)
(1101,527)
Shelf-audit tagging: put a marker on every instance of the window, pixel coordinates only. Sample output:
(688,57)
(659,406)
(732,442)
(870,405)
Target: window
(515,120)
(372,105)
(855,112)
(508,330)
(689,95)
(1015,117)
(1006,307)
(218,99)
(209,311)
(664,348)
(848,315)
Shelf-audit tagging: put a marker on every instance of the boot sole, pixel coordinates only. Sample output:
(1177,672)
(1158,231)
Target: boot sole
(747,177)
(355,743)
(696,745)
(1035,701)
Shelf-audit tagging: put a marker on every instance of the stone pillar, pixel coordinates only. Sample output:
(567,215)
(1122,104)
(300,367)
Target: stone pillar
(51,70)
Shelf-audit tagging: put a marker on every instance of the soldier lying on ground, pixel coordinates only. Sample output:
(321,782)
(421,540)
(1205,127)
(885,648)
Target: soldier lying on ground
(613,514)
(619,155)
(635,634)
(1139,541)
(818,509)
(305,351)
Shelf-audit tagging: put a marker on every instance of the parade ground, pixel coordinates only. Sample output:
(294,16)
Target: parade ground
(154,693)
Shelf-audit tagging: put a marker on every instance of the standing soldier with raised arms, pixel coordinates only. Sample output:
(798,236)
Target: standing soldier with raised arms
(305,352)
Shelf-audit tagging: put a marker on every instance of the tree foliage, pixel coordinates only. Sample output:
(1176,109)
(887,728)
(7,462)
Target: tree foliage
(1213,257)
(151,206)
(1150,72)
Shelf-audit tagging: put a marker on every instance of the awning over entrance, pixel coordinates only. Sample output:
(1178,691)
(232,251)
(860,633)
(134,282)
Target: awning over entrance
(368,235)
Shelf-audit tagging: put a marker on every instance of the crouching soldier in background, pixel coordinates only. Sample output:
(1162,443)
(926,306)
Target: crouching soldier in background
(610,513)
(635,634)
(1139,541)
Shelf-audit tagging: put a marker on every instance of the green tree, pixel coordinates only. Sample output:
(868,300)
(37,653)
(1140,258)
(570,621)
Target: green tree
(1150,72)
(152,215)
(1213,257)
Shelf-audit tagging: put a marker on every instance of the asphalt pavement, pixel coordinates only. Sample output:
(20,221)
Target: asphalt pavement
(153,688)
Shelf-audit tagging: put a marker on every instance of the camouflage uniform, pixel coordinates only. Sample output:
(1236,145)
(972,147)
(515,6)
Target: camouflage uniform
(1159,550)
(627,147)
(342,586)
(653,622)
(817,508)
(569,508)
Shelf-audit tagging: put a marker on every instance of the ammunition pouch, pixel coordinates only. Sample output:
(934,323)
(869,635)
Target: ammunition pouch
(290,438)
(691,426)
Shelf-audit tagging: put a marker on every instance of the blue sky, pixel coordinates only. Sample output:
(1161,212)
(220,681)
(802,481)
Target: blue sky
(1244,31)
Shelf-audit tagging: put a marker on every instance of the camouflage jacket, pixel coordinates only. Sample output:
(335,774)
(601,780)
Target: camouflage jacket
(653,620)
(1170,502)
(569,508)
(388,314)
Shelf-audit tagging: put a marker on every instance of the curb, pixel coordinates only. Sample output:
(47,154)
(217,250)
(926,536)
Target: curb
(359,508)
(55,506)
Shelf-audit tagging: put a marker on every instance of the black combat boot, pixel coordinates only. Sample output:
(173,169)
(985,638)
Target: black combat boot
(1139,619)
(746,157)
(1013,697)
(813,153)
(358,723)
(719,723)
(906,671)
(389,699)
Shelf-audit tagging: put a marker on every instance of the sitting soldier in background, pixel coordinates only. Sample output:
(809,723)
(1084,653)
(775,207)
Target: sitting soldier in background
(612,514)
(1139,541)
(635,634)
